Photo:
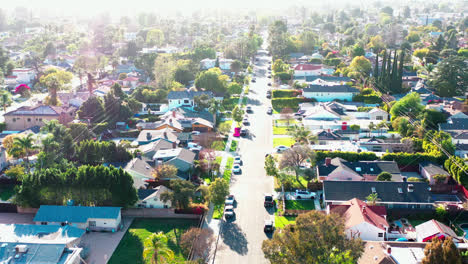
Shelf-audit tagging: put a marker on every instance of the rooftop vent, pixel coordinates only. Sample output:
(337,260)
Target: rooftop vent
(400,190)
(410,187)
(21,249)
(358,168)
(373,190)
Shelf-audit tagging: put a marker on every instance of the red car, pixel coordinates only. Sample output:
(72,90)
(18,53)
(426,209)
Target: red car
(237,131)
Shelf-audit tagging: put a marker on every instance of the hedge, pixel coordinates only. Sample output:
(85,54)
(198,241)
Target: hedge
(405,159)
(346,155)
(292,102)
(368,99)
(284,76)
(286,93)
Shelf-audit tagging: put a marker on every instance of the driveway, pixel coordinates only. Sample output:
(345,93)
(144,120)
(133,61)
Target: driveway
(101,245)
(14,218)
(241,239)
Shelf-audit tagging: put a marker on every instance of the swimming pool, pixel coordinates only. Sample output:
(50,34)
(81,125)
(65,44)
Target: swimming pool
(464,227)
(398,223)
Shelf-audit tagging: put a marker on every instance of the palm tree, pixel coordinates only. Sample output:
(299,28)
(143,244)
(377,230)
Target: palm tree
(215,107)
(156,249)
(371,127)
(372,199)
(302,135)
(24,145)
(5,100)
(380,126)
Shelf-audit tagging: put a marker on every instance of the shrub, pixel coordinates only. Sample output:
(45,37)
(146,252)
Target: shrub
(284,76)
(285,93)
(413,158)
(279,103)
(349,156)
(100,127)
(415,179)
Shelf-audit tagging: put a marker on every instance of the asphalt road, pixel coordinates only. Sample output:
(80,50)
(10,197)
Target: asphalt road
(241,239)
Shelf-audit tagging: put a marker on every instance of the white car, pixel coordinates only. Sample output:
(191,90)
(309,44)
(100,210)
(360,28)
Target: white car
(194,146)
(228,211)
(245,121)
(299,194)
(230,200)
(236,168)
(248,109)
(281,148)
(237,160)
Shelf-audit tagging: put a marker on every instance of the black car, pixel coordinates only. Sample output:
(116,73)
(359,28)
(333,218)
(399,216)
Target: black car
(243,132)
(269,84)
(269,226)
(269,200)
(254,80)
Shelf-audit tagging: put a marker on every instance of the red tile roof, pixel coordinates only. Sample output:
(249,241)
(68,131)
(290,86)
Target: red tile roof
(356,211)
(307,67)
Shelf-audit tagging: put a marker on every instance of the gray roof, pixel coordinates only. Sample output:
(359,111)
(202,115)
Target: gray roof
(327,78)
(388,192)
(40,110)
(433,169)
(139,166)
(455,124)
(366,167)
(330,89)
(326,135)
(36,253)
(143,193)
(74,214)
(174,95)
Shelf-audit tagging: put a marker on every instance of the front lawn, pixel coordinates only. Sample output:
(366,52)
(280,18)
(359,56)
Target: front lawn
(285,141)
(130,248)
(284,122)
(233,146)
(228,168)
(282,221)
(280,130)
(219,145)
(300,204)
(230,103)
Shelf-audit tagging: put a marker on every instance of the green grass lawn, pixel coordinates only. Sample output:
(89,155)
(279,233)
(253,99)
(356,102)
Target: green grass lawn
(6,192)
(284,122)
(228,168)
(229,122)
(282,221)
(300,204)
(218,211)
(280,130)
(233,146)
(286,141)
(219,145)
(130,248)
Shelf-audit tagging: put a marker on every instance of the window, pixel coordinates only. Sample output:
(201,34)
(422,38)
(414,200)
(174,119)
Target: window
(14,119)
(379,118)
(29,119)
(380,234)
(373,189)
(92,223)
(400,190)
(186,101)
(418,206)
(43,223)
(358,169)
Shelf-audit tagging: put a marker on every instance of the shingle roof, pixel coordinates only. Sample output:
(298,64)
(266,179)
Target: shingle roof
(143,193)
(455,124)
(326,135)
(433,227)
(357,211)
(433,169)
(366,167)
(41,110)
(174,95)
(327,78)
(74,214)
(330,89)
(307,67)
(388,192)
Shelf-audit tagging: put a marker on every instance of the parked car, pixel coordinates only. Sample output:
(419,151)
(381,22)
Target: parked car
(269,200)
(270,110)
(194,146)
(245,121)
(236,169)
(269,84)
(230,200)
(237,160)
(248,109)
(244,132)
(281,148)
(196,133)
(299,194)
(229,211)
(269,76)
(254,80)
(269,226)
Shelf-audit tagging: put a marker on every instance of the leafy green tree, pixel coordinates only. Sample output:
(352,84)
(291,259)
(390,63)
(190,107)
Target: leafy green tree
(387,10)
(432,118)
(294,158)
(236,66)
(234,88)
(315,238)
(145,62)
(421,53)
(55,80)
(154,37)
(117,91)
(450,77)
(214,108)
(181,195)
(376,43)
(384,176)
(279,66)
(219,190)
(270,166)
(5,99)
(163,71)
(92,109)
(24,144)
(156,249)
(80,132)
(16,172)
(360,67)
(410,105)
(203,52)
(357,50)
(210,80)
(237,114)
(441,252)
(165,171)
(184,72)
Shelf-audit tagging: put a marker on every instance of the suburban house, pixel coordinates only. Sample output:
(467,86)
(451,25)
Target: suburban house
(428,170)
(181,158)
(330,93)
(151,198)
(379,252)
(454,125)
(361,220)
(20,253)
(44,234)
(377,113)
(83,217)
(140,170)
(224,64)
(433,228)
(184,98)
(326,136)
(148,150)
(338,169)
(148,136)
(380,145)
(170,123)
(191,120)
(302,70)
(326,78)
(392,195)
(130,81)
(26,116)
(24,75)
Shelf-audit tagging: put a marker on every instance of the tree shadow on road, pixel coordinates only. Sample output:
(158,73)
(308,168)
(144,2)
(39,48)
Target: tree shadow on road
(254,102)
(234,238)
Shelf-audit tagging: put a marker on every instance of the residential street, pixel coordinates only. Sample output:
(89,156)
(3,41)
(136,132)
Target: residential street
(241,239)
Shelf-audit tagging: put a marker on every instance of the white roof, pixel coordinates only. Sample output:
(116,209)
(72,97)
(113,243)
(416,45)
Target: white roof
(408,255)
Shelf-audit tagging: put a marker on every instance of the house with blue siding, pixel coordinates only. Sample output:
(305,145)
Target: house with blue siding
(324,93)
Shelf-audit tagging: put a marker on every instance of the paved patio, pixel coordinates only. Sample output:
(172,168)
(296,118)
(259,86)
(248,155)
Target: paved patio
(14,218)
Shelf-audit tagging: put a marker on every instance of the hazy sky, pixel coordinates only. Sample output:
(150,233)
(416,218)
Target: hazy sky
(129,7)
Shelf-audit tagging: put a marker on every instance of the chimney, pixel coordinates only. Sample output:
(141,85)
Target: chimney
(173,114)
(174,145)
(148,135)
(389,250)
(329,130)
(404,178)
(410,187)
(364,209)
(327,161)
(165,134)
